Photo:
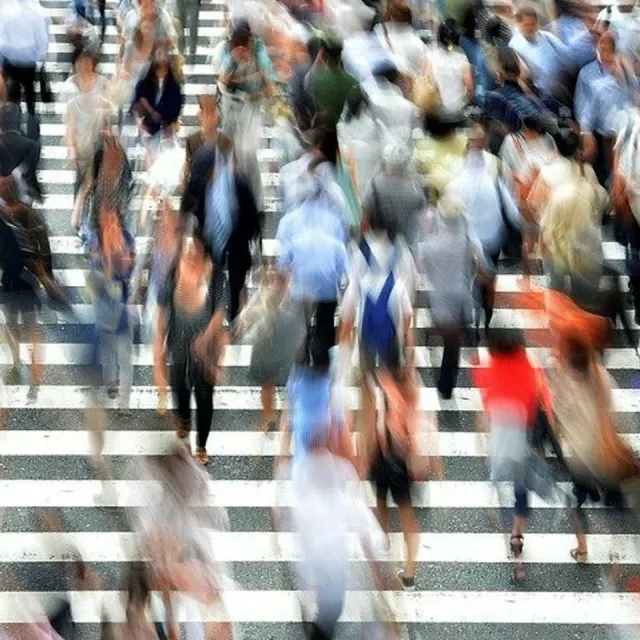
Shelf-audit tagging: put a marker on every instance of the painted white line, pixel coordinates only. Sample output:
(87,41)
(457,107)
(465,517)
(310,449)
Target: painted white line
(221,443)
(248,398)
(239,546)
(253,494)
(73,354)
(470,607)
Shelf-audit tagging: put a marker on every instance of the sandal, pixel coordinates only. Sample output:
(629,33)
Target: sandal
(516,544)
(579,556)
(201,456)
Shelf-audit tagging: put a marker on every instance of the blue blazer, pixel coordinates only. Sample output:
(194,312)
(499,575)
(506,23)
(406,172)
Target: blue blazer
(169,106)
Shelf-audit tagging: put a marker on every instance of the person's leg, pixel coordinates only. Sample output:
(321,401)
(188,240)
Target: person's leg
(181,392)
(108,350)
(325,328)
(451,337)
(194,11)
(14,91)
(237,273)
(268,397)
(181,10)
(28,81)
(409,526)
(102,8)
(125,362)
(203,391)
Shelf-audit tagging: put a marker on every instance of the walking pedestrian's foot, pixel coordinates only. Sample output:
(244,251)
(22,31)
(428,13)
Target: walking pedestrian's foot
(579,555)
(14,376)
(408,583)
(516,544)
(201,456)
(519,573)
(112,391)
(269,425)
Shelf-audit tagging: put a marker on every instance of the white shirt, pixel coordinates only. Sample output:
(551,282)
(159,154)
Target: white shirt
(407,50)
(449,69)
(24,32)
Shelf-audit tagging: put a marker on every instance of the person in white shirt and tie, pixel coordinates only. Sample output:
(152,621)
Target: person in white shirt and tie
(24,40)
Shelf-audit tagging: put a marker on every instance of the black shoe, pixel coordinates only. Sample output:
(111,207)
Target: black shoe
(408,583)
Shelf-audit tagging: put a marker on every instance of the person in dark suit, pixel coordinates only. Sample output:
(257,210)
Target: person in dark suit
(18,150)
(229,218)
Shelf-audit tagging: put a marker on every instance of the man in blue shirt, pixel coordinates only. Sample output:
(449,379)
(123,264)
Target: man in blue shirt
(24,40)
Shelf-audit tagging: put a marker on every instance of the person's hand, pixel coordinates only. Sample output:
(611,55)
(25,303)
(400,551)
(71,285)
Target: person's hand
(163,402)
(589,147)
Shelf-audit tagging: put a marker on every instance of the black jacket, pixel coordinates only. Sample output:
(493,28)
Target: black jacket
(247,225)
(18,150)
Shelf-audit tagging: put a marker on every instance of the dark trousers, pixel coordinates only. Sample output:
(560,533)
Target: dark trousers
(452,339)
(183,379)
(321,332)
(238,267)
(604,159)
(21,78)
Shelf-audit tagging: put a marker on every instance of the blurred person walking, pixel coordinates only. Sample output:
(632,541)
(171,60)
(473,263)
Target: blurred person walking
(24,40)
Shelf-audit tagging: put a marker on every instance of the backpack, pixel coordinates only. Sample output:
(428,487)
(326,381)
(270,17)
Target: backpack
(378,332)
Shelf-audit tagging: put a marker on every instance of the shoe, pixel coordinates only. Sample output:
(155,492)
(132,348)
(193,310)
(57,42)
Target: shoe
(408,584)
(112,391)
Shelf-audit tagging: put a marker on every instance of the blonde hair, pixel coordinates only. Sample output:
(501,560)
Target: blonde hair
(567,214)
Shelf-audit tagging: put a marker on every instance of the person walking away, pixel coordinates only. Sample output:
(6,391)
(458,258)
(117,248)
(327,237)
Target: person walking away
(490,210)
(379,300)
(24,40)
(450,255)
(187,14)
(328,83)
(512,393)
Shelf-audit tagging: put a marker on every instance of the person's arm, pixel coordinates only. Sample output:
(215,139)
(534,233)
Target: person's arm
(80,200)
(160,358)
(285,441)
(467,76)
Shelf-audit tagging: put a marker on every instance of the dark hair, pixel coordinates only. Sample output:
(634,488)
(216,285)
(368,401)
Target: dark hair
(356,100)
(470,23)
(387,71)
(325,137)
(150,77)
(493,31)
(376,219)
(448,33)
(578,355)
(400,12)
(568,141)
(239,38)
(10,117)
(505,341)
(314,46)
(509,63)
(88,51)
(332,50)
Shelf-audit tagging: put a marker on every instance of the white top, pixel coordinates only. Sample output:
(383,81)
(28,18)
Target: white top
(449,69)
(405,48)
(372,279)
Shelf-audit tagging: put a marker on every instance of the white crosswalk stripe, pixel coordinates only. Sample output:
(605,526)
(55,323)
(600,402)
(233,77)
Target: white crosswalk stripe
(463,586)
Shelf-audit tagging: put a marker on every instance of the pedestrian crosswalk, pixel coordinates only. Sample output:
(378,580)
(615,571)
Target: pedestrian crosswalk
(463,578)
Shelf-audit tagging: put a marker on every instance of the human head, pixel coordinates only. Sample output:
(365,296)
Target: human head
(86,62)
(396,157)
(400,13)
(195,257)
(448,34)
(509,68)
(160,57)
(332,51)
(241,41)
(145,32)
(324,138)
(477,135)
(528,21)
(10,117)
(607,48)
(314,46)
(505,341)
